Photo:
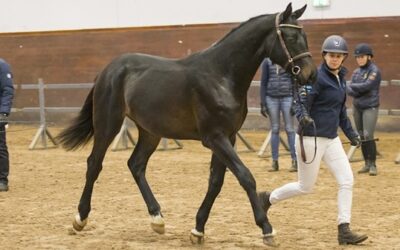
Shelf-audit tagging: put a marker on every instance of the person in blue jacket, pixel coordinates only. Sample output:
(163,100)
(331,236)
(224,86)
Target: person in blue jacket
(324,104)
(276,95)
(364,88)
(6,97)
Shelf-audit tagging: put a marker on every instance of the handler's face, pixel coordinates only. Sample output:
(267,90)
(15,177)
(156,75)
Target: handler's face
(334,60)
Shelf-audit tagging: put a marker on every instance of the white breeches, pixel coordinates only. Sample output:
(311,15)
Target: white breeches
(332,153)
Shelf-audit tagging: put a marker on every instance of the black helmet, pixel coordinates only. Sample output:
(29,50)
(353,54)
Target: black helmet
(363,49)
(335,44)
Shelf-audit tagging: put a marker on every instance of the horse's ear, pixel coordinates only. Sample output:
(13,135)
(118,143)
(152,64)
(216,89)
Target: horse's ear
(286,14)
(298,13)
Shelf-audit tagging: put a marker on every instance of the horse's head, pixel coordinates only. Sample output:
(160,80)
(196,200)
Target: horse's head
(290,48)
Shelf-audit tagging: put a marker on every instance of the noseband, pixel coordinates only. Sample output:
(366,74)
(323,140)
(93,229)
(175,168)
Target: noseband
(295,69)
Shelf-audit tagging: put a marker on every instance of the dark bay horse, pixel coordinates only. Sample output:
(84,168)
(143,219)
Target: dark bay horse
(201,97)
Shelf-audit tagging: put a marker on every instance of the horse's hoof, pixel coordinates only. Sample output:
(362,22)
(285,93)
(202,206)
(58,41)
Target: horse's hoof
(157,224)
(269,240)
(196,237)
(77,224)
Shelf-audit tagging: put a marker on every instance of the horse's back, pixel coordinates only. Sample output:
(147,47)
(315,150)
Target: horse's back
(156,93)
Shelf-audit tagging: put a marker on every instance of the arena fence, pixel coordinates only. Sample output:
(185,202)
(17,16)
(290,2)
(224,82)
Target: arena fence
(124,138)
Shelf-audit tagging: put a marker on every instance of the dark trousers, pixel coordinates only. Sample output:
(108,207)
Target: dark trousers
(4,162)
(365,121)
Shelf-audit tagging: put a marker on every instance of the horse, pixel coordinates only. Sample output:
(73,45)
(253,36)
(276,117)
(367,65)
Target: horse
(200,97)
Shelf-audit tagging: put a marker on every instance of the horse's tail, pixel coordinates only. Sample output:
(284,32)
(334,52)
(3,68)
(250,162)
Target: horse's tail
(79,133)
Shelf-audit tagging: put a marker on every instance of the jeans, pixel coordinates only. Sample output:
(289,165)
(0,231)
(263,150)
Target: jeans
(4,163)
(332,153)
(276,106)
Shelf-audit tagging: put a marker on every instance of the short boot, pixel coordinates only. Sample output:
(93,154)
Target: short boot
(372,169)
(274,167)
(366,167)
(263,197)
(347,237)
(293,168)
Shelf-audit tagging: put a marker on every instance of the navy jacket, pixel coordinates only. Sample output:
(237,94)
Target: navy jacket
(275,82)
(326,104)
(6,87)
(364,86)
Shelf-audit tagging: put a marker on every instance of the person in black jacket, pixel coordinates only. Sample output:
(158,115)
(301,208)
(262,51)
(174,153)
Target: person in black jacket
(6,97)
(324,104)
(364,88)
(276,95)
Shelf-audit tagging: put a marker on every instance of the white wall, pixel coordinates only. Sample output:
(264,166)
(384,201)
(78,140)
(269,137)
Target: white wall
(46,15)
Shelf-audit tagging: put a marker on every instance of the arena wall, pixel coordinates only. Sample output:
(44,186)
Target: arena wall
(78,56)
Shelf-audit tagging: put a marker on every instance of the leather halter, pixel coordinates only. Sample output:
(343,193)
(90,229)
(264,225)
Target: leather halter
(295,69)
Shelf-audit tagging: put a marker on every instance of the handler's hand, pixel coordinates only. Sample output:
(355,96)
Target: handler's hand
(355,141)
(306,120)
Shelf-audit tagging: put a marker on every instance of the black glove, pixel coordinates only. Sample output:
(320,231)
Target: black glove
(3,119)
(355,141)
(264,110)
(306,120)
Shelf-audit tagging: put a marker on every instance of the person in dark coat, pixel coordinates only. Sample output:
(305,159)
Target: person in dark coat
(276,95)
(6,97)
(364,88)
(324,104)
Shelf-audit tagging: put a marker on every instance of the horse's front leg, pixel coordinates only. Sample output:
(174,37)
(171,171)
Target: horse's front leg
(225,152)
(217,174)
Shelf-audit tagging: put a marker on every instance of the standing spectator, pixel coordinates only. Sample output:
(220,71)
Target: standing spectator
(324,103)
(276,95)
(364,88)
(6,97)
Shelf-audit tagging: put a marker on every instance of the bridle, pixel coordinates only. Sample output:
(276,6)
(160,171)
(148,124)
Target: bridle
(295,69)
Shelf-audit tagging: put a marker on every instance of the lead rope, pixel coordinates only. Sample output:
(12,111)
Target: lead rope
(302,150)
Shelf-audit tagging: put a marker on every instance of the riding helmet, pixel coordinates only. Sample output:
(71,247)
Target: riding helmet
(363,49)
(335,44)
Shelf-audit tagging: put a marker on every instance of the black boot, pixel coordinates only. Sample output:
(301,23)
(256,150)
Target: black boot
(263,197)
(365,169)
(294,166)
(274,167)
(347,237)
(372,150)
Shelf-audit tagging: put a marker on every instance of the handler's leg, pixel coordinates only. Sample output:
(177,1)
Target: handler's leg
(338,163)
(307,173)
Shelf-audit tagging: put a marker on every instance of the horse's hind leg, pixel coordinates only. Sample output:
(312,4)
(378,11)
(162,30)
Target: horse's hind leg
(137,164)
(217,174)
(103,136)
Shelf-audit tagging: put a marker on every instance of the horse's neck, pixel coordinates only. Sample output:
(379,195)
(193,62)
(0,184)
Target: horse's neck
(240,54)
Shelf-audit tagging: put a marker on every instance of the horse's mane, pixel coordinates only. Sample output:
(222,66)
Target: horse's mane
(251,20)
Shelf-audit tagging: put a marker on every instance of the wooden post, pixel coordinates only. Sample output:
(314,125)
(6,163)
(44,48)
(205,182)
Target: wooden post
(123,138)
(245,142)
(267,141)
(42,134)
